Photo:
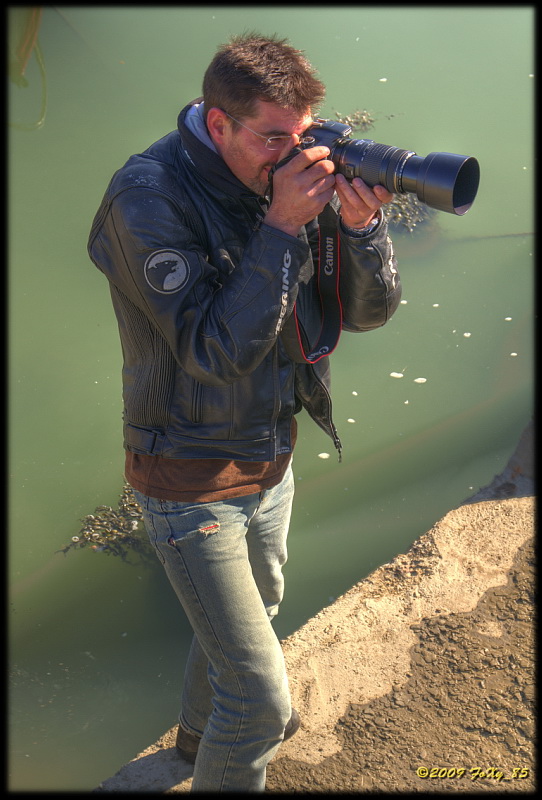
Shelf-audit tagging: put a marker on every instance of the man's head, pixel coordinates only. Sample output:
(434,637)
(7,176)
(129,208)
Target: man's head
(255,88)
(254,67)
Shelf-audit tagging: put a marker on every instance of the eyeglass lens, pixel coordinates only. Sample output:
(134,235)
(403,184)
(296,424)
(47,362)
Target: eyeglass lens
(276,142)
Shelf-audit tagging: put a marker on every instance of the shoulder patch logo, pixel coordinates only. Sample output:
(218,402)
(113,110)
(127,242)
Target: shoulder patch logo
(166,271)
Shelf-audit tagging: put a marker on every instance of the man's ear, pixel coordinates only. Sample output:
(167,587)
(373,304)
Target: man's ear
(217,125)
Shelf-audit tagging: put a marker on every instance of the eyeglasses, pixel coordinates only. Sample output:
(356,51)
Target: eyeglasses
(273,142)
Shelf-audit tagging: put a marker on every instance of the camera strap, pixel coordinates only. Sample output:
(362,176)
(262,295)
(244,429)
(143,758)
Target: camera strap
(293,334)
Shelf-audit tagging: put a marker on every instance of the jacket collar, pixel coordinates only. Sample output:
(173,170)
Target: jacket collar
(208,163)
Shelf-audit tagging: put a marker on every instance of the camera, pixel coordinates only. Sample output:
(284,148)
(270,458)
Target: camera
(445,181)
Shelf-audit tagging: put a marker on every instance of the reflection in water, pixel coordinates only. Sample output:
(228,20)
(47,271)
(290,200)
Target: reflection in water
(23,41)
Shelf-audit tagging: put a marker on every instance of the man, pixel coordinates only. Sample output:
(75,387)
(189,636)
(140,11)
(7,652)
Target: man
(212,262)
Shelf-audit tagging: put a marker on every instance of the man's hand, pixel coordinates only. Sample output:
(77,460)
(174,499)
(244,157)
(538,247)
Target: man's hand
(301,190)
(359,203)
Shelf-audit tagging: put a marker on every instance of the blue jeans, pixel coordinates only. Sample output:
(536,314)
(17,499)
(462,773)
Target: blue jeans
(224,560)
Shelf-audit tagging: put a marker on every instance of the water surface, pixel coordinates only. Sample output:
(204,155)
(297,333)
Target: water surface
(96,645)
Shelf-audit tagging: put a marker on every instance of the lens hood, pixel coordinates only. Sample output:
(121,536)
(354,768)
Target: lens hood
(446,181)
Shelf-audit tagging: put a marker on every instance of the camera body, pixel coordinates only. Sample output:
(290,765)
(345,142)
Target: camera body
(445,181)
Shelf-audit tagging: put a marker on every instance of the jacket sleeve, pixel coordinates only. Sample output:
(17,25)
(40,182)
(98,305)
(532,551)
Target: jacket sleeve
(370,286)
(219,326)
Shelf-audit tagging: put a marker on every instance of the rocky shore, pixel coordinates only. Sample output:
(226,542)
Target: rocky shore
(421,677)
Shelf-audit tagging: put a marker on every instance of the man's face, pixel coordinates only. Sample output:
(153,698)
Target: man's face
(246,153)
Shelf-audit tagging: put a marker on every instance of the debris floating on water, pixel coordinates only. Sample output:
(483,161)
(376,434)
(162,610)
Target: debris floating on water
(396,374)
(405,210)
(420,380)
(323,455)
(360,120)
(114,531)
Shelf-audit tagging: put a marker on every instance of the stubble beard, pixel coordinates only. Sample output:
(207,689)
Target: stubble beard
(259,182)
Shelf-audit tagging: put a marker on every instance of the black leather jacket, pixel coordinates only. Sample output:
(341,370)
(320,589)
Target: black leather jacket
(197,283)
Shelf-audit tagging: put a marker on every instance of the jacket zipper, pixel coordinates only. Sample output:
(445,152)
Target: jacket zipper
(276,398)
(333,430)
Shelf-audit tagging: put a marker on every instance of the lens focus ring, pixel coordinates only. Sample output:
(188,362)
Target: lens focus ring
(380,166)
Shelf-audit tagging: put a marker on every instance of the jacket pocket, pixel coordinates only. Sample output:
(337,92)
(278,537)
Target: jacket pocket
(197,402)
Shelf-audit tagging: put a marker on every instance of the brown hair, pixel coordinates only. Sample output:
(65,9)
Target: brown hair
(253,67)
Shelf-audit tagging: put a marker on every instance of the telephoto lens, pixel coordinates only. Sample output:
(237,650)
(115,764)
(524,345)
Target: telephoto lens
(445,181)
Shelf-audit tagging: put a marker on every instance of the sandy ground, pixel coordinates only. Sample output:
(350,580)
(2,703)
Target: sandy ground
(421,677)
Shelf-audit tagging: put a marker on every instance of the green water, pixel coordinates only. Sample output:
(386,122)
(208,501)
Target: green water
(97,646)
